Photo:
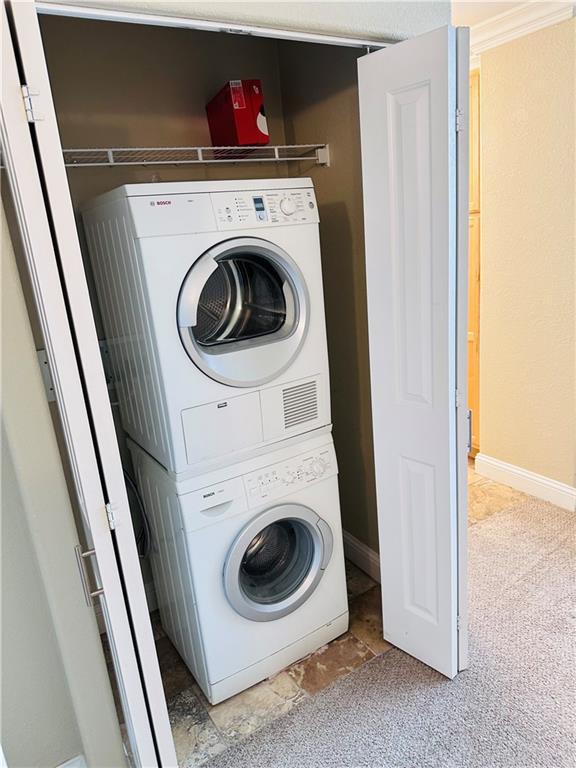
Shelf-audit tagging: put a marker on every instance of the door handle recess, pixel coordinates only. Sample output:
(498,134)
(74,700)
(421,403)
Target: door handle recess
(81,558)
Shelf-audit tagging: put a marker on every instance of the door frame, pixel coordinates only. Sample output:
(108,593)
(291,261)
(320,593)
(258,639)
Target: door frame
(100,409)
(30,205)
(462,263)
(151,728)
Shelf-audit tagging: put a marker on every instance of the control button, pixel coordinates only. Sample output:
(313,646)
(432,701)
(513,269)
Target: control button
(261,215)
(310,204)
(287,206)
(229,218)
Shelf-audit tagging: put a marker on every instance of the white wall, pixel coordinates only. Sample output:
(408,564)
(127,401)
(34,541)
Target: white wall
(375,20)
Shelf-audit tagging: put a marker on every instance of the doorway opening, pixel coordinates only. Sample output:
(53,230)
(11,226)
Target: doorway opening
(282,549)
(311,95)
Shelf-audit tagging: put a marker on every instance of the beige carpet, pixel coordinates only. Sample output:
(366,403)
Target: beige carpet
(515,706)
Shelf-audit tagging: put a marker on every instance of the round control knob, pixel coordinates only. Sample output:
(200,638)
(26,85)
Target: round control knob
(318,467)
(287,206)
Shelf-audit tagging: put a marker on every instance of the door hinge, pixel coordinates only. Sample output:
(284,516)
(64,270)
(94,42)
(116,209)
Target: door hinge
(459,120)
(458,623)
(46,374)
(110,516)
(30,98)
(469,418)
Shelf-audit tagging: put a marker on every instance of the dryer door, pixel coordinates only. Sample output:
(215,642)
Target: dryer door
(277,561)
(243,311)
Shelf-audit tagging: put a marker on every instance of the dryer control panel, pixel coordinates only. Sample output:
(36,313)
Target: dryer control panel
(277,480)
(239,210)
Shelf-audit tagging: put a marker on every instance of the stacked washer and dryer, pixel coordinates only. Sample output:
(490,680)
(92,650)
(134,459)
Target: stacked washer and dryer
(212,302)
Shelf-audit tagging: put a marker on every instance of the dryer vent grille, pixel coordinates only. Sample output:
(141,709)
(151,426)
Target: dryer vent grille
(300,404)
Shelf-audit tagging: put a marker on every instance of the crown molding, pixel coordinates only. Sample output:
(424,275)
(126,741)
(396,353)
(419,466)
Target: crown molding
(526,18)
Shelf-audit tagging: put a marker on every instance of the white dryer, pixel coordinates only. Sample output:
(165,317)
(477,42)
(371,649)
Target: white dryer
(212,301)
(248,562)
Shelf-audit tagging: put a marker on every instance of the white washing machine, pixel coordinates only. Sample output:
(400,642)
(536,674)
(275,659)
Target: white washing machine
(248,562)
(212,301)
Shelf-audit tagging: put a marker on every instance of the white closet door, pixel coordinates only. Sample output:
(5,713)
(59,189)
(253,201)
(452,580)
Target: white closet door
(87,418)
(414,199)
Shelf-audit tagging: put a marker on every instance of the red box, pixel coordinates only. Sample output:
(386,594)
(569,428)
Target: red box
(236,115)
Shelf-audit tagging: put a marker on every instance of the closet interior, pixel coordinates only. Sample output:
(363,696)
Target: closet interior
(121,85)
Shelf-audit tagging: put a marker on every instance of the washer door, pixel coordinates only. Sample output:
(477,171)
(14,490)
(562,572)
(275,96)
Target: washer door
(276,562)
(243,312)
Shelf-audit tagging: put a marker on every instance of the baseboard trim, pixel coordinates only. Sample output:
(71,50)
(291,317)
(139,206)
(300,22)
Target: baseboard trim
(362,556)
(544,488)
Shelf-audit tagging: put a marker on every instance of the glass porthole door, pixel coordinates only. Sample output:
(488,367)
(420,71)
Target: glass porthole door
(243,311)
(277,561)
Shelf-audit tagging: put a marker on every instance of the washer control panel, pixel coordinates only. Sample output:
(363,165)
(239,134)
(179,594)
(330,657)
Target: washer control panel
(277,480)
(239,210)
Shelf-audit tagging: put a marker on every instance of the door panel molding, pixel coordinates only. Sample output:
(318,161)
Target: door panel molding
(412,201)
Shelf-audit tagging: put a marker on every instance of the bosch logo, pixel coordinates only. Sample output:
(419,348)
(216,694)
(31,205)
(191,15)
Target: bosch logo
(161,202)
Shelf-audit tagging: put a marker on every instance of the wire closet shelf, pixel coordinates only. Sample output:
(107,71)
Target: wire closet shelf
(316,153)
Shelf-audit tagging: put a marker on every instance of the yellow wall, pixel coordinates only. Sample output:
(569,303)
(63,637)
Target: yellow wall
(527,333)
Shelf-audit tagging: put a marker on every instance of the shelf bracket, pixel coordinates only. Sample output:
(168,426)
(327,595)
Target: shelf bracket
(323,156)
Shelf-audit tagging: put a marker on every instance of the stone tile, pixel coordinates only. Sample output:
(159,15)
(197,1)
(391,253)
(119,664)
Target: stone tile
(330,662)
(487,497)
(250,710)
(196,738)
(186,706)
(356,580)
(366,620)
(176,676)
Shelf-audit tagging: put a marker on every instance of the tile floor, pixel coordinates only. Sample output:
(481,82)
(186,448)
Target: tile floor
(202,730)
